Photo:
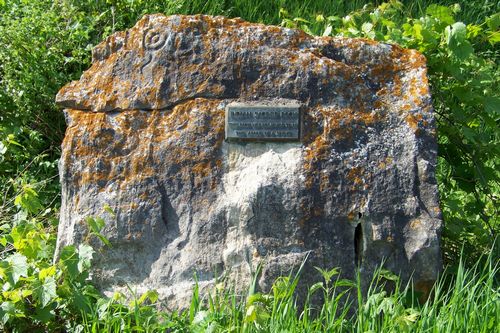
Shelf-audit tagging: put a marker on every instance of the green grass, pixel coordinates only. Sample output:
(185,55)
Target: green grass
(468,301)
(126,13)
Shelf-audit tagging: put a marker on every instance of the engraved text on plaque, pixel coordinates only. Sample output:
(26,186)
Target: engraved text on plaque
(266,122)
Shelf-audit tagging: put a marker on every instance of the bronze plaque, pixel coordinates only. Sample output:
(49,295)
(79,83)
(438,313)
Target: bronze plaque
(263,122)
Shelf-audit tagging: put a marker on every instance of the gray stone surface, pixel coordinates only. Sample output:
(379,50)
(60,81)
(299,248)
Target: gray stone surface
(146,136)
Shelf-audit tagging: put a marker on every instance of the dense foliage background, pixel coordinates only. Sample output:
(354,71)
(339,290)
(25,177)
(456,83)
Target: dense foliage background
(44,44)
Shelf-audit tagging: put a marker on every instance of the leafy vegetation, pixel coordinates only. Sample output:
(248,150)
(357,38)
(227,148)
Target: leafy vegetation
(44,44)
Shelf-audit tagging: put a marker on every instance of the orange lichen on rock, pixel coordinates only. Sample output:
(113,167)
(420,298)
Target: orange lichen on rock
(110,149)
(416,122)
(355,175)
(146,136)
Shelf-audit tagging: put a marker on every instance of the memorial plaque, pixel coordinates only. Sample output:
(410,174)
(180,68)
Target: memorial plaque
(263,122)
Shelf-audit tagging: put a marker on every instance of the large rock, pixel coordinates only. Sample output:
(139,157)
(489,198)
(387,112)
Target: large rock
(146,137)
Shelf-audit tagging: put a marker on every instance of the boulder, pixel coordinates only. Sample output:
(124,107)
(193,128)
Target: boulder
(146,137)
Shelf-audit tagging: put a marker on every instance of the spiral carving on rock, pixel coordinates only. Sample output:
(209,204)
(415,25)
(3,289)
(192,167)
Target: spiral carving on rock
(154,39)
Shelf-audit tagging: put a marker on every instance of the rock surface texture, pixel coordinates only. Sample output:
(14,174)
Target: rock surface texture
(145,136)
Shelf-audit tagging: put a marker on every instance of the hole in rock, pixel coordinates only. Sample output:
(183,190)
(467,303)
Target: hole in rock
(358,245)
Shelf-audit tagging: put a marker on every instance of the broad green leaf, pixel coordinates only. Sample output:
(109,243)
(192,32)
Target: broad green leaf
(283,12)
(374,300)
(69,260)
(7,309)
(4,269)
(353,31)
(45,291)
(26,292)
(493,21)
(95,224)
(46,272)
(411,315)
(469,133)
(19,266)
(85,253)
(417,31)
(118,296)
(328,274)
(255,298)
(306,29)
(28,200)
(492,104)
(388,23)
(494,37)
(301,20)
(456,39)
(473,30)
(102,307)
(18,235)
(442,13)
(333,18)
(388,275)
(152,295)
(327,31)
(456,33)
(367,29)
(200,317)
(103,239)
(386,305)
(256,314)
(45,314)
(13,295)
(45,250)
(11,140)
(79,300)
(251,314)
(3,148)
